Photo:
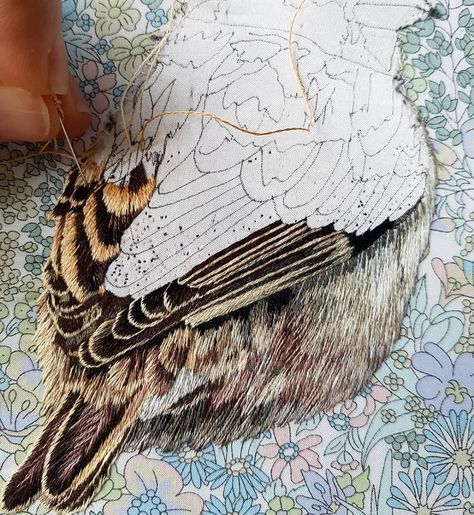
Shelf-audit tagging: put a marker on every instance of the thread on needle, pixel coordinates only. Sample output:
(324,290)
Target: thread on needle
(71,148)
(43,150)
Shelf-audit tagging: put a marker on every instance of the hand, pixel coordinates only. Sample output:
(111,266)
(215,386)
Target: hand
(33,69)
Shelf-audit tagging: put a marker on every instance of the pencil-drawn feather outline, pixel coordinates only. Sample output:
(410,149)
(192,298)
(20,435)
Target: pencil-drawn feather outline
(364,162)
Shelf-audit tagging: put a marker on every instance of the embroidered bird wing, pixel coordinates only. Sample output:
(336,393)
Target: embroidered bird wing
(364,161)
(91,320)
(99,328)
(92,324)
(267,262)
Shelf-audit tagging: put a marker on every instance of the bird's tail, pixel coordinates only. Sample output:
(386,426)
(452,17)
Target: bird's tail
(72,456)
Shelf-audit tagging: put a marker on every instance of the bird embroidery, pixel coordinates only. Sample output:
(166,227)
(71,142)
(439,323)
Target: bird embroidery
(206,283)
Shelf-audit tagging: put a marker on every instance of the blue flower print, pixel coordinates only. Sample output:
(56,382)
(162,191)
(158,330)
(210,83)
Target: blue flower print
(117,93)
(235,506)
(85,22)
(157,18)
(446,385)
(235,468)
(325,494)
(109,67)
(450,451)
(148,502)
(416,495)
(4,381)
(102,46)
(339,421)
(190,464)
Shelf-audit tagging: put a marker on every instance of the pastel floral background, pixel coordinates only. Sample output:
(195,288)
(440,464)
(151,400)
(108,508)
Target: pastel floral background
(405,444)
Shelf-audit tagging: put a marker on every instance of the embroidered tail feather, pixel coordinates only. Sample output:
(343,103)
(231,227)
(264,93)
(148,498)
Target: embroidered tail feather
(25,484)
(72,456)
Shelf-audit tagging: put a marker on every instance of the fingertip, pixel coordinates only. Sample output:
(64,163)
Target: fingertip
(76,124)
(28,117)
(54,122)
(57,68)
(76,112)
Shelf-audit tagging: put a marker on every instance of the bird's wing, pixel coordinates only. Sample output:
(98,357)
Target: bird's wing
(265,263)
(364,161)
(90,323)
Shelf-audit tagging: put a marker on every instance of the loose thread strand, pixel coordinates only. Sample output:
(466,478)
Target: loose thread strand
(154,55)
(71,148)
(87,157)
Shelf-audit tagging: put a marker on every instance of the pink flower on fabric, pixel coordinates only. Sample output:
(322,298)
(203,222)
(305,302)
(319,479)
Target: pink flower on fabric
(358,411)
(345,462)
(95,87)
(153,486)
(295,456)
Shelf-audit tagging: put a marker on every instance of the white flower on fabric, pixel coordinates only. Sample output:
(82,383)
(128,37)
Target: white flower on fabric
(114,15)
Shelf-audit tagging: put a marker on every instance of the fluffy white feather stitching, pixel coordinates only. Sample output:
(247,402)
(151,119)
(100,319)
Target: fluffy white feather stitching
(364,160)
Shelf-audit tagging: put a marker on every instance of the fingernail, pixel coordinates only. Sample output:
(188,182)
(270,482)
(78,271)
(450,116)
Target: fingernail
(75,111)
(23,116)
(77,97)
(57,68)
(54,123)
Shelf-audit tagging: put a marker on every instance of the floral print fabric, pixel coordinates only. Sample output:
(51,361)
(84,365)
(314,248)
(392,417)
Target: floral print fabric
(405,444)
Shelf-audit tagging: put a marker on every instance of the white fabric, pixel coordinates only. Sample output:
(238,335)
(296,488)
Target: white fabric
(365,160)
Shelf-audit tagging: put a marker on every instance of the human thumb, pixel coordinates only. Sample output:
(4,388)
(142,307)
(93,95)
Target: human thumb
(33,71)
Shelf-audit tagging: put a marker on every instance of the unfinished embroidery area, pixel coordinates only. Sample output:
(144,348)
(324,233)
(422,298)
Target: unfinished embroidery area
(218,184)
(142,185)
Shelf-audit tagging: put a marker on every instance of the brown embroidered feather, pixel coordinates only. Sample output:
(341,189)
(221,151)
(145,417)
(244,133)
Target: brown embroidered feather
(257,335)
